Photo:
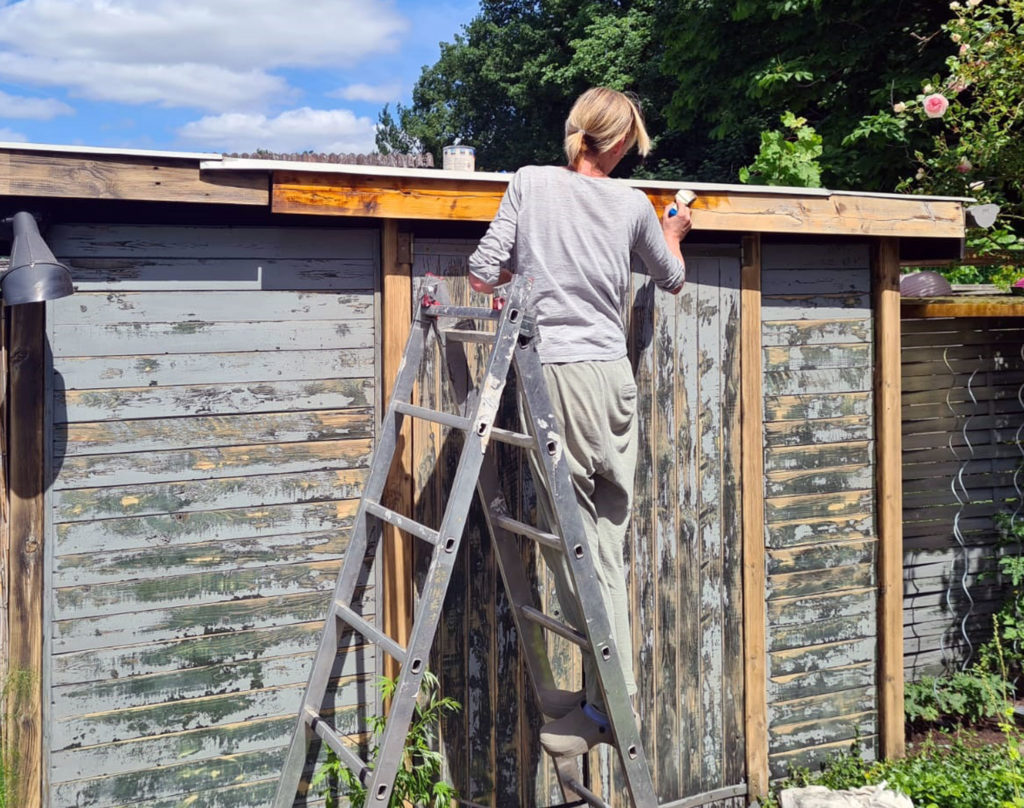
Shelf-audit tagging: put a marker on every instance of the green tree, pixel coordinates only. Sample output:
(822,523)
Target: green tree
(737,65)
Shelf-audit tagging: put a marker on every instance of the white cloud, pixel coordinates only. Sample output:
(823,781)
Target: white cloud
(131,50)
(378,93)
(297,130)
(38,109)
(172,85)
(10,136)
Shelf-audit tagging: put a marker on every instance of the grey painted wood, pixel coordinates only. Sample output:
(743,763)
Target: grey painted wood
(956,450)
(819,509)
(214,391)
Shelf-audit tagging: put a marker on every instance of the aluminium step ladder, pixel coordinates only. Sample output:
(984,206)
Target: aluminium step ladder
(513,343)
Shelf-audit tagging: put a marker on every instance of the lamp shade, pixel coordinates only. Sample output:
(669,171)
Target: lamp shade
(35,275)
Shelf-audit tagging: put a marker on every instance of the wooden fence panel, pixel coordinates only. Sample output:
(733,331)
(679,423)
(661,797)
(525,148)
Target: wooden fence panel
(214,400)
(962,421)
(819,501)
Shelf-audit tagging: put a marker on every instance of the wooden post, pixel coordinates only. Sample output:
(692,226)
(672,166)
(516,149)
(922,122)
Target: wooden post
(889,488)
(24,704)
(754,608)
(396,547)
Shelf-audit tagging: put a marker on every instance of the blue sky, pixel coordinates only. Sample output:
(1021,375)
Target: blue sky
(214,75)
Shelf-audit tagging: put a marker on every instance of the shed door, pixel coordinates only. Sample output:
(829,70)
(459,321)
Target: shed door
(213,403)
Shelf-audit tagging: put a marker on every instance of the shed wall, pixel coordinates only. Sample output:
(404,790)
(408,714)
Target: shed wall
(683,556)
(820,531)
(962,420)
(212,413)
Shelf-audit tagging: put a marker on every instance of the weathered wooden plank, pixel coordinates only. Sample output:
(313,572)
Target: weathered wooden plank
(27,537)
(795,483)
(815,307)
(254,397)
(166,781)
(149,273)
(918,475)
(208,242)
(820,557)
(834,260)
(156,625)
(830,603)
(833,331)
(164,593)
(197,431)
(124,177)
(782,278)
(822,706)
(822,632)
(712,612)
(120,725)
(799,458)
(733,663)
(807,531)
(817,431)
(119,339)
(822,681)
(946,492)
(249,795)
(833,504)
(161,370)
(813,757)
(90,569)
(824,381)
(812,406)
(185,528)
(86,504)
(813,357)
(150,308)
(822,656)
(753,466)
(791,737)
(657,561)
(212,462)
(818,581)
(159,657)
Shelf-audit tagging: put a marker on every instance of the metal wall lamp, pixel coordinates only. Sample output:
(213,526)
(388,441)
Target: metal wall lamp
(34,274)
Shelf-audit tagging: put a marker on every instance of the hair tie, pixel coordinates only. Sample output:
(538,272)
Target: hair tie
(574,129)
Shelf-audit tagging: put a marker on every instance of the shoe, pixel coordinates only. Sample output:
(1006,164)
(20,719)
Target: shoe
(573,734)
(556,703)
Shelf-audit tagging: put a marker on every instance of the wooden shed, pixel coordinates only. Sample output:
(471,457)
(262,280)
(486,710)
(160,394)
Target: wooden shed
(186,437)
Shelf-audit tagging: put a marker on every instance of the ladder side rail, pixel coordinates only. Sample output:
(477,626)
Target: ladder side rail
(597,626)
(431,599)
(366,530)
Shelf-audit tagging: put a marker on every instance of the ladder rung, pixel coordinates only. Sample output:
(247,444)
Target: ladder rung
(456,421)
(529,531)
(369,631)
(355,763)
(462,312)
(465,335)
(586,794)
(513,438)
(556,626)
(402,522)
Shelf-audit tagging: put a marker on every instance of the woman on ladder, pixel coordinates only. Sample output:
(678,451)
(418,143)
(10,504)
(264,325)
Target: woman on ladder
(575,232)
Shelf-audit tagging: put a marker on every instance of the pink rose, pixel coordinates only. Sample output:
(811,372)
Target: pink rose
(964,166)
(935,105)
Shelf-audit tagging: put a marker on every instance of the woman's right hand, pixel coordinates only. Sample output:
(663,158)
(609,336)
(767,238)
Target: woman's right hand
(676,227)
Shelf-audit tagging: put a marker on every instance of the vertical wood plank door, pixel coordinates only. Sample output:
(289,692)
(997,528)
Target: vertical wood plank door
(683,554)
(213,411)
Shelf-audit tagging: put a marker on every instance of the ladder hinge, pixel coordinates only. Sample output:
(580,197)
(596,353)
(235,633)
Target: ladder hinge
(405,248)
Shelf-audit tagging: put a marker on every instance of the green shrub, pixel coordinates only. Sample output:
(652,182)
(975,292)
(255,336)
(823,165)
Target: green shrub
(963,698)
(419,781)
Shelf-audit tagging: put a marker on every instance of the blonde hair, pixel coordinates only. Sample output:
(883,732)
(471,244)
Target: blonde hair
(599,119)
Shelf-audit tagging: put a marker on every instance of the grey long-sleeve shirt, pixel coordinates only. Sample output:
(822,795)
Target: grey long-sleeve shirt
(575,236)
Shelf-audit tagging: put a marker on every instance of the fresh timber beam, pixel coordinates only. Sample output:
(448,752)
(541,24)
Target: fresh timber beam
(922,308)
(133,178)
(24,709)
(754,609)
(396,547)
(461,199)
(889,482)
